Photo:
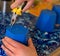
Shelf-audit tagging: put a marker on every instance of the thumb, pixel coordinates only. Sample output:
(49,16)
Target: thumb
(16,3)
(30,43)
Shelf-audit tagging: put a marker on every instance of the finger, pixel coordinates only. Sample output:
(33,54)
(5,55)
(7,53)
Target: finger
(28,5)
(49,0)
(16,3)
(7,45)
(8,52)
(30,43)
(13,43)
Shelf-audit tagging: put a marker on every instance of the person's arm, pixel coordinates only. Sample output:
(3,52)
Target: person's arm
(13,48)
(19,2)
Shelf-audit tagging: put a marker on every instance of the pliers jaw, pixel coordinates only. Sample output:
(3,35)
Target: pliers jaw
(16,11)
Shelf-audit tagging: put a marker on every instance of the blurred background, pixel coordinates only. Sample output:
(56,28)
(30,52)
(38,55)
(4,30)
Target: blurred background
(37,7)
(44,48)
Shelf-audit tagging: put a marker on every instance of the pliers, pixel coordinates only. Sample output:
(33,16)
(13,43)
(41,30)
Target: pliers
(16,12)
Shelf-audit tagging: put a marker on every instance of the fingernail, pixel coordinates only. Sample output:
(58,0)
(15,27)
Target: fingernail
(5,38)
(23,11)
(30,38)
(2,39)
(12,6)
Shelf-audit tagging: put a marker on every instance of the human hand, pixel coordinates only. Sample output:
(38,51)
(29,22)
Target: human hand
(19,2)
(13,48)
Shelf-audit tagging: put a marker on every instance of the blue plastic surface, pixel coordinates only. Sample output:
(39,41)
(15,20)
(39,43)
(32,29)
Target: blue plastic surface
(45,43)
(56,8)
(17,32)
(46,21)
